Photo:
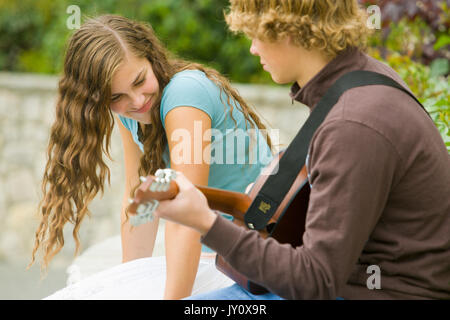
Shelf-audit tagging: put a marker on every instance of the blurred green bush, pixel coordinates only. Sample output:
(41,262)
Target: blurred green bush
(418,29)
(33,33)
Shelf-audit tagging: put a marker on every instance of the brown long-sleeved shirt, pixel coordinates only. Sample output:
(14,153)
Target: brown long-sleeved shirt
(380,178)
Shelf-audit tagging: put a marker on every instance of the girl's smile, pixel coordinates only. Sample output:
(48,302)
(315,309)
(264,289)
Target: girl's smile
(134,88)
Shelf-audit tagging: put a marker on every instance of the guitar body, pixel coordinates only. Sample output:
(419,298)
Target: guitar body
(286,226)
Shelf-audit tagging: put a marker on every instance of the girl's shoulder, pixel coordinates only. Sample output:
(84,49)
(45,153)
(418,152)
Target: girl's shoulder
(127,122)
(190,73)
(191,88)
(190,81)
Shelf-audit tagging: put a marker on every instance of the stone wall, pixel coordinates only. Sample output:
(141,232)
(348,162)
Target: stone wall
(26,114)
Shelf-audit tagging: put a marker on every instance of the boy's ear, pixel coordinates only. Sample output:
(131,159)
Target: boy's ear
(290,40)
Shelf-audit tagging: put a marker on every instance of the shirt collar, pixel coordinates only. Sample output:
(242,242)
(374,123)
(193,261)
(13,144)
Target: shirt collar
(311,93)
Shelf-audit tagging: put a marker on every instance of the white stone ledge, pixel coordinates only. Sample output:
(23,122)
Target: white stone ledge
(256,94)
(28,81)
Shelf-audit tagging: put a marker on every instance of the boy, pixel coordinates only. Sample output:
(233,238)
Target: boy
(378,169)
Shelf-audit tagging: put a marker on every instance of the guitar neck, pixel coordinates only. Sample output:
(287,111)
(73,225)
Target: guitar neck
(231,202)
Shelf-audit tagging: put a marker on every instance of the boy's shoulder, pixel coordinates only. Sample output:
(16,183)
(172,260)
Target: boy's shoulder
(386,111)
(379,105)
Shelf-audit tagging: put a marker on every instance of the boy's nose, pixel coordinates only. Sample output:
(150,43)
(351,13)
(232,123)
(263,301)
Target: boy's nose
(253,49)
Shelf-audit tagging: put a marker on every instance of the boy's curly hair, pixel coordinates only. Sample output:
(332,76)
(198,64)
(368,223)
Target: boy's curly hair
(327,25)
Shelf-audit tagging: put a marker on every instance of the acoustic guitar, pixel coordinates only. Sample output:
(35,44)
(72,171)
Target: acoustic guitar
(287,225)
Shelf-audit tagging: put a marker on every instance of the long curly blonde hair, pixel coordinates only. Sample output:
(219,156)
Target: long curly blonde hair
(328,25)
(81,133)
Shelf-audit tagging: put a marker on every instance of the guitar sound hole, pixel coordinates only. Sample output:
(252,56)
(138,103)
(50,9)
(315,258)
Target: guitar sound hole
(270,227)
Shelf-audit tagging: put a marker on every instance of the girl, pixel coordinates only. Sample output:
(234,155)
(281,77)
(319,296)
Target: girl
(170,112)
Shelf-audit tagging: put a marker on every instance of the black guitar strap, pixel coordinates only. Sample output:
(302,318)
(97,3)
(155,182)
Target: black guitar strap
(278,184)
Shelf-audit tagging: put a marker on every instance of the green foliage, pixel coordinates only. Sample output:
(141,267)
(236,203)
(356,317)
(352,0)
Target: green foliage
(437,103)
(33,33)
(418,29)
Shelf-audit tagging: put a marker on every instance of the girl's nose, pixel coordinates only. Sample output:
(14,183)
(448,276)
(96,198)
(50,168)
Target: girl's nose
(137,101)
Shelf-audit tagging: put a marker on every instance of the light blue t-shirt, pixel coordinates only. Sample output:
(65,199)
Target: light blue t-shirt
(233,164)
